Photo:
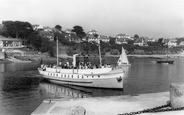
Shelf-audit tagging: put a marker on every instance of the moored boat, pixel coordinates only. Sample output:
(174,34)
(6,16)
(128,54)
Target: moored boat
(123,60)
(166,61)
(85,75)
(110,79)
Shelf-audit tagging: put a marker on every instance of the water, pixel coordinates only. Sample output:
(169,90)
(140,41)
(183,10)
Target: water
(22,90)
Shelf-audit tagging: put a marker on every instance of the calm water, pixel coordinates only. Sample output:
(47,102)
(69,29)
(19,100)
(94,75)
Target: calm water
(22,90)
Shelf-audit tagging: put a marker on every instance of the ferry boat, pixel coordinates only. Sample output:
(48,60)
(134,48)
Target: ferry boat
(102,77)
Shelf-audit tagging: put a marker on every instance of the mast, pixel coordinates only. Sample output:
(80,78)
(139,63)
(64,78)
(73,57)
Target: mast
(167,49)
(57,50)
(99,51)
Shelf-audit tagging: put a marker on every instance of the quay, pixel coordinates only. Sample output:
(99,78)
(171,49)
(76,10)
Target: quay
(110,105)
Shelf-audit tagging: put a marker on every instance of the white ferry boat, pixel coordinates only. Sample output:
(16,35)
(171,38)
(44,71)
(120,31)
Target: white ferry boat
(99,77)
(102,77)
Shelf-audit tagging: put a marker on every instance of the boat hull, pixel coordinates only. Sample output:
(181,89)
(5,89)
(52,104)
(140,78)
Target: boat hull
(166,62)
(103,80)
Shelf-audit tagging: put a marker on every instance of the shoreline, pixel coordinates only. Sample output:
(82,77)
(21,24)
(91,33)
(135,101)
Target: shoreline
(65,56)
(151,56)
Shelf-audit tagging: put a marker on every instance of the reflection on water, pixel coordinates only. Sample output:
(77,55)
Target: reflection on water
(12,67)
(18,89)
(2,68)
(147,77)
(60,91)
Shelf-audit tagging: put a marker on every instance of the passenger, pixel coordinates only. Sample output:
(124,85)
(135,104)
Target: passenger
(65,66)
(96,66)
(86,67)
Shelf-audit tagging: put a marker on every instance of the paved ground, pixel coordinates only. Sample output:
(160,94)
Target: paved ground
(108,105)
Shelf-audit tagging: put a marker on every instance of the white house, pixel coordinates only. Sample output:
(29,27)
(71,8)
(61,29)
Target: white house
(122,38)
(181,43)
(170,42)
(11,43)
(92,32)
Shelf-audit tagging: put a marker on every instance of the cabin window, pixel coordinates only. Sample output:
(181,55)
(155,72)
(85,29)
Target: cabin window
(92,76)
(98,75)
(61,75)
(65,75)
(78,76)
(68,76)
(72,76)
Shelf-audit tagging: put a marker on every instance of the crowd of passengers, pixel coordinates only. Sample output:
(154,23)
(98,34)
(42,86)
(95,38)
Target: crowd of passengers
(81,65)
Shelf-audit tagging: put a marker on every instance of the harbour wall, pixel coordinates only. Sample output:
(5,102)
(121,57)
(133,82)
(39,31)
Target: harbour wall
(111,105)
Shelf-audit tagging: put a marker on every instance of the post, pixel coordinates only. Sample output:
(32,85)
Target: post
(57,50)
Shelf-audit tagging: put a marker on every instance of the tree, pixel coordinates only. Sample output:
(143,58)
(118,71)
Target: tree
(58,27)
(16,29)
(79,31)
(136,36)
(160,41)
(34,40)
(112,40)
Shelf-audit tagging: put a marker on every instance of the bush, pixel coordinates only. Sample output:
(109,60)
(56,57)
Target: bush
(114,52)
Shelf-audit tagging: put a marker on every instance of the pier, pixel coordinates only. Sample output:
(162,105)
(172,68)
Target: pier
(111,105)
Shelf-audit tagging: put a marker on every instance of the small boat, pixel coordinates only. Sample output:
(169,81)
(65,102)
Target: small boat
(101,77)
(123,60)
(165,61)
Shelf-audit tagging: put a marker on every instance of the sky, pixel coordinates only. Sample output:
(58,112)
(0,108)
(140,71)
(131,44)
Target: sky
(146,18)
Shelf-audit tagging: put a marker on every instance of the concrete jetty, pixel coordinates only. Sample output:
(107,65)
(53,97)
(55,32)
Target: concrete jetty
(111,105)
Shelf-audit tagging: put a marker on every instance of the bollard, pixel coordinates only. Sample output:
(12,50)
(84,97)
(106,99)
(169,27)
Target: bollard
(77,110)
(177,95)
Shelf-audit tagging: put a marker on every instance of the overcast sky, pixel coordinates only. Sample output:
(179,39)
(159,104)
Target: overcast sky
(148,18)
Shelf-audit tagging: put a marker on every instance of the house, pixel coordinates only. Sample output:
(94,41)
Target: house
(47,34)
(141,42)
(122,38)
(37,27)
(11,43)
(170,42)
(181,43)
(150,39)
(47,29)
(91,38)
(105,39)
(71,36)
(92,32)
